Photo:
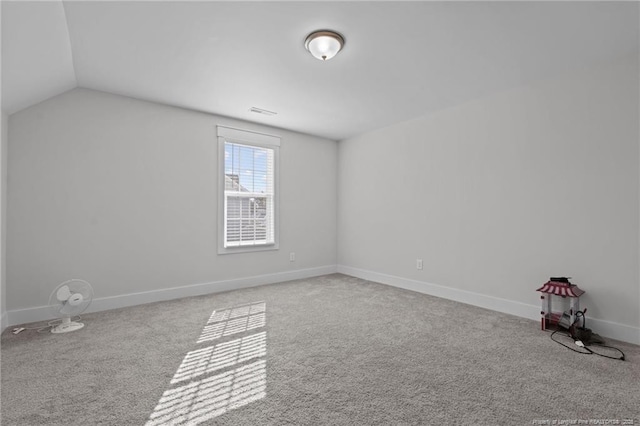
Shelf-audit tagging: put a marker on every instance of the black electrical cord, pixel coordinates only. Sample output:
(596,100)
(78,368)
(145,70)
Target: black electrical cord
(621,358)
(588,351)
(569,347)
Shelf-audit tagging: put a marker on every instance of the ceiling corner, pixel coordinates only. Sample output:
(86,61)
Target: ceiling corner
(37,61)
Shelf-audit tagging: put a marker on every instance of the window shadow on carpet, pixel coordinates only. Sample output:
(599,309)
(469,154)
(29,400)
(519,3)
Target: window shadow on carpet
(196,393)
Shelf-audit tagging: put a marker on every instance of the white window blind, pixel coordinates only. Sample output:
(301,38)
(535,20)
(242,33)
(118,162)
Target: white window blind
(248,190)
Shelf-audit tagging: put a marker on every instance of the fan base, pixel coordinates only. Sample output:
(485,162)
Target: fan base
(67,327)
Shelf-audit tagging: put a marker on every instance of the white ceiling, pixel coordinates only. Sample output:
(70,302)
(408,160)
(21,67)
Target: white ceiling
(36,55)
(401,59)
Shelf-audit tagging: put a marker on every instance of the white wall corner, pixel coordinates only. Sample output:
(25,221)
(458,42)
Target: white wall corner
(3,220)
(608,329)
(43,313)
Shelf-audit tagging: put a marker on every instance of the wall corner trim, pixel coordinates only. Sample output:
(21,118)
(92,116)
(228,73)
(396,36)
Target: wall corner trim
(4,322)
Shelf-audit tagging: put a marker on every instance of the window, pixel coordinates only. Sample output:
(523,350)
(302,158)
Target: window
(248,201)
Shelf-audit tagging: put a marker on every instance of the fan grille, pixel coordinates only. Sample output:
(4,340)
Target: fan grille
(76,294)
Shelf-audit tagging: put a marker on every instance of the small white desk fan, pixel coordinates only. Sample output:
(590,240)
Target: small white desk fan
(67,300)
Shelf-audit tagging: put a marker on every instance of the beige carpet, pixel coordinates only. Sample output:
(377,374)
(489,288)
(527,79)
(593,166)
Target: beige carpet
(331,350)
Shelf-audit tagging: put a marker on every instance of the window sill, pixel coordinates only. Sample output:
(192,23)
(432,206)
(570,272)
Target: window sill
(247,249)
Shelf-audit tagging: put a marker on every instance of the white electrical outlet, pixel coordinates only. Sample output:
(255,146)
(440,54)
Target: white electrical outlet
(418,263)
(292,257)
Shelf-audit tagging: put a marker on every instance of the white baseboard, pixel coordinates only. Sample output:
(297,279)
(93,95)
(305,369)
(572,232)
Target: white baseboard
(43,313)
(608,329)
(614,330)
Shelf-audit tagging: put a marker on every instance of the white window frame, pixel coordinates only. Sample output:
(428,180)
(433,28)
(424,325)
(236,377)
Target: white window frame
(261,140)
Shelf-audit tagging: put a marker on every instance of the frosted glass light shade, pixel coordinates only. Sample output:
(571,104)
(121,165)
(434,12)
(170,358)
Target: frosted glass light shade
(324,44)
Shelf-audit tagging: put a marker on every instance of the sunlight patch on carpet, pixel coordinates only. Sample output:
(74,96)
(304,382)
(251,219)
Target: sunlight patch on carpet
(213,358)
(213,396)
(232,321)
(239,366)
(231,327)
(237,311)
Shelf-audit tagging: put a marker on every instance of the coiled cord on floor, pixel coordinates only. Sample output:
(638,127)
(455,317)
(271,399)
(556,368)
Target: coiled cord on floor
(588,351)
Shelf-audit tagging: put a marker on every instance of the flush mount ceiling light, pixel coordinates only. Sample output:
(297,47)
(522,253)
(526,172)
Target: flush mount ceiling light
(324,44)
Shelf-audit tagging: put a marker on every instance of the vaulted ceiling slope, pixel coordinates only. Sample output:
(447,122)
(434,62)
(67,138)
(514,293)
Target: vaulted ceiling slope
(401,59)
(36,54)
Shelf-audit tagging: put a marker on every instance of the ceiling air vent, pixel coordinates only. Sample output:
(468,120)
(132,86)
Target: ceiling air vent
(262,111)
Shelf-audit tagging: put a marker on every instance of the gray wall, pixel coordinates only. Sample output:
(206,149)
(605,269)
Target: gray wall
(495,195)
(498,194)
(122,193)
